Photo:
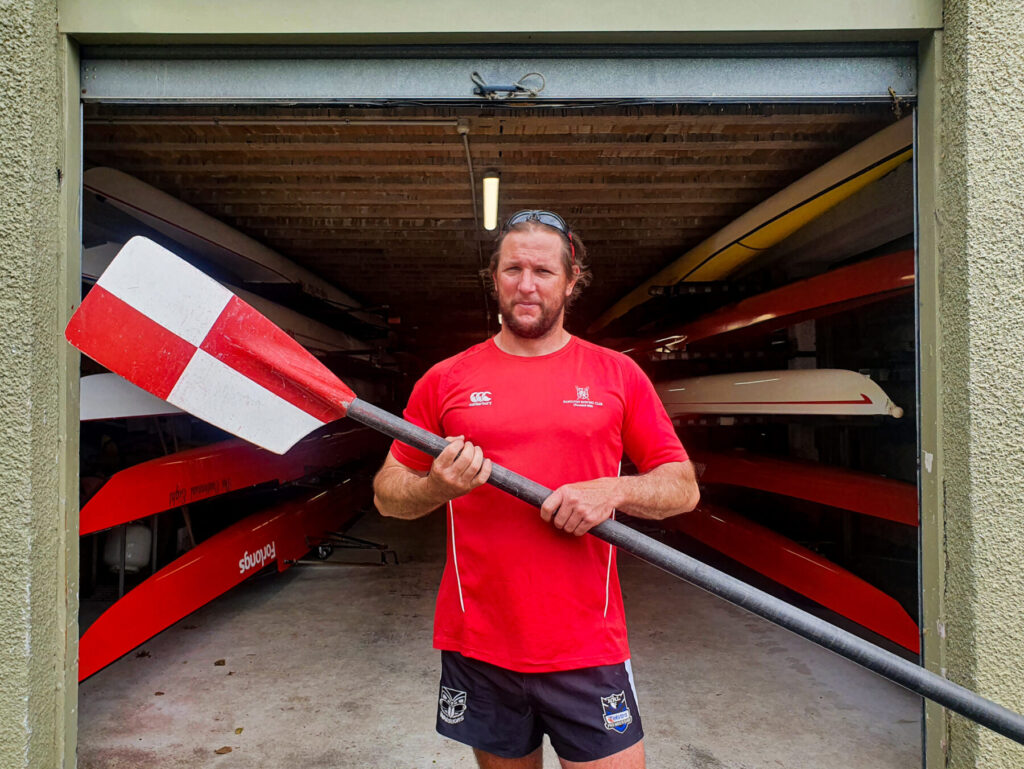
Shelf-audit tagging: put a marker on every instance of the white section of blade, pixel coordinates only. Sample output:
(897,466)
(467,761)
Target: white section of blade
(215,392)
(108,396)
(165,289)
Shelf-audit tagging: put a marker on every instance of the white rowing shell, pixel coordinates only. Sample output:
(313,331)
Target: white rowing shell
(211,238)
(108,396)
(318,338)
(803,391)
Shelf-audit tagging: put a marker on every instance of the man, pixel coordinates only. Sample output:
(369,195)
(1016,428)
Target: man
(529,615)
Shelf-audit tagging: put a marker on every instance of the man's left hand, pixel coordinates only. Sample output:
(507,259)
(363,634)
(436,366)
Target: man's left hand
(576,508)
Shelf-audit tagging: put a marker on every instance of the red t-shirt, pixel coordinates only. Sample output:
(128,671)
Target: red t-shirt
(516,592)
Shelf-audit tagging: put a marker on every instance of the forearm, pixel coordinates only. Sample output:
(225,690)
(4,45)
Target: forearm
(666,490)
(400,493)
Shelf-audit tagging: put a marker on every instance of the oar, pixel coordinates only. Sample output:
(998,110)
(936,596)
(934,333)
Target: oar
(163,325)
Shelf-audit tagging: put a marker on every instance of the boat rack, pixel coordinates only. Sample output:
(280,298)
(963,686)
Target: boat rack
(716,288)
(324,547)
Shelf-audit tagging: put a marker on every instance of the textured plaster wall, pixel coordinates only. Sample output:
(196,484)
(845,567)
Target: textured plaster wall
(31,546)
(981,232)
(981,221)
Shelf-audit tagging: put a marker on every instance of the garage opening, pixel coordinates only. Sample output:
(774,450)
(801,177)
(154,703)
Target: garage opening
(357,227)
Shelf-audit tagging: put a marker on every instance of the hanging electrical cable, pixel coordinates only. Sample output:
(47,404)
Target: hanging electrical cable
(463,129)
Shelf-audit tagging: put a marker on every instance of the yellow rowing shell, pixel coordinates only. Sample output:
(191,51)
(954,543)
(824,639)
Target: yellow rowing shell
(779,216)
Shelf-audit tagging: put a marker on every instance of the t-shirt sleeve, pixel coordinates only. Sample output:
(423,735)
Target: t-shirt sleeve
(649,437)
(422,410)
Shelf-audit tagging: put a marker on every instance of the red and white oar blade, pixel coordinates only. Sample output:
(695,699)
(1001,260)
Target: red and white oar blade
(168,328)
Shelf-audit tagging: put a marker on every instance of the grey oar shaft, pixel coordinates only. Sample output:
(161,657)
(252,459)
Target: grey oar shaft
(898,670)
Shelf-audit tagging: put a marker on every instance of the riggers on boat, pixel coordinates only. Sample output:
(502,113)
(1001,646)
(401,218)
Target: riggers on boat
(844,288)
(778,217)
(279,536)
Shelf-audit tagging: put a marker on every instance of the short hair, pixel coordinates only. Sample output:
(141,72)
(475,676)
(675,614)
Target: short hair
(580,256)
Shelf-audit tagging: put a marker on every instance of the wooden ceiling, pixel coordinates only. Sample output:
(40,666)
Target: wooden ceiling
(379,201)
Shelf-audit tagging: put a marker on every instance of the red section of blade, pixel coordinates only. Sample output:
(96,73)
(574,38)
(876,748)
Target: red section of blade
(196,474)
(213,567)
(834,486)
(118,336)
(253,346)
(799,569)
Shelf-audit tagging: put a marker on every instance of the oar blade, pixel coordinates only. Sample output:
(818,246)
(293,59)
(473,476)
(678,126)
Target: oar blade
(165,326)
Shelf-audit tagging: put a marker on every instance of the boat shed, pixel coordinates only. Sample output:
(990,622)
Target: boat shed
(335,152)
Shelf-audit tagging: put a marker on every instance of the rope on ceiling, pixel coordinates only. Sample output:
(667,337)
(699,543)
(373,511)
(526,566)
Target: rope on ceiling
(463,129)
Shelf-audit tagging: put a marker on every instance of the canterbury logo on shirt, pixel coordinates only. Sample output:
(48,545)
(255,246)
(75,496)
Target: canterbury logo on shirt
(482,398)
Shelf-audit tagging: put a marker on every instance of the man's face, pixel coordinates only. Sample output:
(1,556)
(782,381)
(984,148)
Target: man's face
(531,283)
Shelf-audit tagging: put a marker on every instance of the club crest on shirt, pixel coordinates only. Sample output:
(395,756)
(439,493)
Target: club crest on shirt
(616,712)
(452,705)
(582,399)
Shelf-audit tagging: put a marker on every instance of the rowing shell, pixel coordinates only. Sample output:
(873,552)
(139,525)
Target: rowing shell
(836,291)
(799,569)
(809,391)
(777,217)
(278,536)
(858,492)
(196,474)
(319,338)
(211,238)
(108,396)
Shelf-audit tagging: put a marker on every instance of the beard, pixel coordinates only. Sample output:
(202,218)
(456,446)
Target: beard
(530,328)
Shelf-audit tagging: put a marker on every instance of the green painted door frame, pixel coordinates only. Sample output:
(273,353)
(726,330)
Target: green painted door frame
(930,537)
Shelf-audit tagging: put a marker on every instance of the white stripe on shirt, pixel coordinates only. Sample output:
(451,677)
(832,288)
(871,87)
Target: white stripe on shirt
(455,555)
(608,572)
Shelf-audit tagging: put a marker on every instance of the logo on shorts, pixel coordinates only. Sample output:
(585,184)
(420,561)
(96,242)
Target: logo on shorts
(616,712)
(482,398)
(452,705)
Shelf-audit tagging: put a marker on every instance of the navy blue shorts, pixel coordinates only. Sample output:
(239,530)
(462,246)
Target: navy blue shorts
(589,713)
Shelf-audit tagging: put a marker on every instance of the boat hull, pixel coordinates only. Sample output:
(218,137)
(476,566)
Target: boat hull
(196,474)
(857,492)
(799,391)
(319,338)
(835,291)
(278,536)
(778,217)
(108,396)
(211,238)
(799,569)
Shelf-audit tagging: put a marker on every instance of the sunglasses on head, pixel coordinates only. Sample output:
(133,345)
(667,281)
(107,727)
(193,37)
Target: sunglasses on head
(544,217)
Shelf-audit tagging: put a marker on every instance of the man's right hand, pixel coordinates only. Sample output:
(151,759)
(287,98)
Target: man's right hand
(459,469)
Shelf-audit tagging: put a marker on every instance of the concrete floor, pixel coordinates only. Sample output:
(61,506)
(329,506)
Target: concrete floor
(333,667)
